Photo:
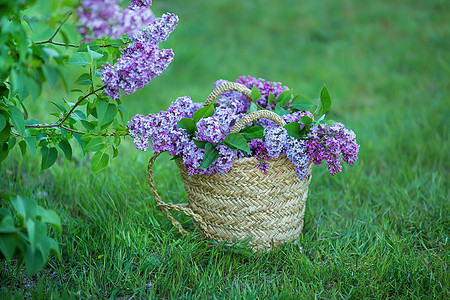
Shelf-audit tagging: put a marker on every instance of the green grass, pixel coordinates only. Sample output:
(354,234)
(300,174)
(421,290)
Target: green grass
(380,229)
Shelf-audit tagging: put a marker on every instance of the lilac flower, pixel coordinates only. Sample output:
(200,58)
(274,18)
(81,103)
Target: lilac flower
(275,140)
(225,160)
(192,158)
(101,18)
(139,64)
(161,128)
(211,130)
(297,154)
(140,3)
(157,31)
(259,150)
(265,87)
(332,144)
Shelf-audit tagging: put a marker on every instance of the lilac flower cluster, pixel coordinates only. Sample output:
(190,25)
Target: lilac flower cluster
(141,60)
(162,131)
(211,130)
(260,152)
(332,143)
(139,64)
(275,140)
(265,87)
(161,128)
(297,154)
(99,18)
(157,31)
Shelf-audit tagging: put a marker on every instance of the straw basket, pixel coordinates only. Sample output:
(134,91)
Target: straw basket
(244,202)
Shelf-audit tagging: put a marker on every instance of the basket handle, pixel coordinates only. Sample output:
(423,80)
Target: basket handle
(167,207)
(259,114)
(229,87)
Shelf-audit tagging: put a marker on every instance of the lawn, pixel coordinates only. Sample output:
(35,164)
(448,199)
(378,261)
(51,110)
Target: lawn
(379,229)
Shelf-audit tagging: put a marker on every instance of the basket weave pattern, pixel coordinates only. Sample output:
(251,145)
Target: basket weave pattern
(245,202)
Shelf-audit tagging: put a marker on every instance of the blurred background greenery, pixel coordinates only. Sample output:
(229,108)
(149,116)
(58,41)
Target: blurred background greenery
(387,67)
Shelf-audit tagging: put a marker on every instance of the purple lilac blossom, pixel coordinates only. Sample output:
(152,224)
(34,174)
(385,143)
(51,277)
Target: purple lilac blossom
(297,154)
(333,144)
(275,140)
(161,128)
(259,151)
(211,130)
(139,64)
(157,31)
(140,3)
(265,87)
(99,18)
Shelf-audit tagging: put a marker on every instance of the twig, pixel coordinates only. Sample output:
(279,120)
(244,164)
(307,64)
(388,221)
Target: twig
(78,103)
(60,122)
(50,40)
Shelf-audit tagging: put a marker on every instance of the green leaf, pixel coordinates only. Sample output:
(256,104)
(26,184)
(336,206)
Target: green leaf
(301,103)
(293,129)
(99,161)
(8,245)
(66,148)
(211,154)
(271,98)
(237,140)
(115,152)
(204,112)
(256,94)
(252,132)
(188,124)
(95,144)
(49,156)
(23,147)
(325,100)
(49,216)
(284,98)
(253,108)
(88,125)
(2,122)
(80,114)
(46,245)
(94,55)
(34,261)
(200,144)
(123,113)
(78,59)
(105,113)
(31,122)
(4,151)
(59,106)
(17,119)
(84,79)
(32,144)
(36,231)
(306,120)
(5,133)
(80,142)
(25,207)
(41,136)
(281,111)
(7,225)
(11,142)
(51,74)
(117,43)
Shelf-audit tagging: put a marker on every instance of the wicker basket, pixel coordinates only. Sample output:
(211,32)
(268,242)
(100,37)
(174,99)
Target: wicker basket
(244,202)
